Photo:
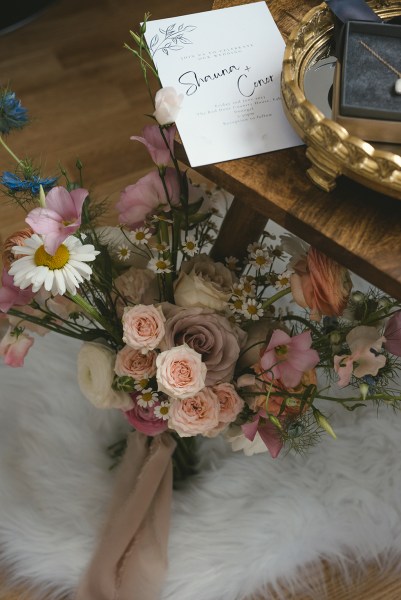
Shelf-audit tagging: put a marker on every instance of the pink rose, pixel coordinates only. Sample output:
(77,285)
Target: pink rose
(146,197)
(321,284)
(198,414)
(144,419)
(180,372)
(230,406)
(135,364)
(143,327)
(14,347)
(136,286)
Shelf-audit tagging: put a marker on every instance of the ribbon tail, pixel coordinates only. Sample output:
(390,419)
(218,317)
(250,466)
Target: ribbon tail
(130,560)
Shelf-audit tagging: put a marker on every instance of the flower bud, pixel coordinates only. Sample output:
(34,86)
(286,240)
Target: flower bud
(275,422)
(335,337)
(323,422)
(364,389)
(358,298)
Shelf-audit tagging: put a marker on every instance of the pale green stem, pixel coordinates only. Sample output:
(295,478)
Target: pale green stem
(276,297)
(88,308)
(15,157)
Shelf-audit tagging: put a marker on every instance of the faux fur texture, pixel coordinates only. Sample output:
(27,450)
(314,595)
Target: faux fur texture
(238,525)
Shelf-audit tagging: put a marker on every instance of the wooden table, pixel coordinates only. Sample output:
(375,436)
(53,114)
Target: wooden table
(356,226)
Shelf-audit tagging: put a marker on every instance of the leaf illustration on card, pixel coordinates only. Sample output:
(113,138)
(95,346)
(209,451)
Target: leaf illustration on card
(172,39)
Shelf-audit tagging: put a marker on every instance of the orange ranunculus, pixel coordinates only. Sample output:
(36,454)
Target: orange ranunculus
(280,394)
(321,284)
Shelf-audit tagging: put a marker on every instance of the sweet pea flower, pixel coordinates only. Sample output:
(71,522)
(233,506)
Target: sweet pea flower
(167,105)
(365,345)
(392,333)
(159,150)
(11,295)
(287,358)
(267,431)
(14,347)
(146,197)
(61,217)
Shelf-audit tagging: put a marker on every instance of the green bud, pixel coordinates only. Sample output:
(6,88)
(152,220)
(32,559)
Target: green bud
(323,422)
(384,303)
(42,197)
(335,337)
(275,422)
(123,384)
(364,389)
(358,298)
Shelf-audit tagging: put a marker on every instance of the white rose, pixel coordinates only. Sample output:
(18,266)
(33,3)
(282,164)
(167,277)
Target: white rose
(95,376)
(167,105)
(203,283)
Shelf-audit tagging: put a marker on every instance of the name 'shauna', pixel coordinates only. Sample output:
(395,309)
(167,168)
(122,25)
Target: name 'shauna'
(245,85)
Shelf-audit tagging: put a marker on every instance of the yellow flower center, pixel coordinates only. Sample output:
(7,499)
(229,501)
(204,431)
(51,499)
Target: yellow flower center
(190,245)
(282,350)
(252,309)
(161,264)
(57,261)
(139,235)
(147,396)
(164,410)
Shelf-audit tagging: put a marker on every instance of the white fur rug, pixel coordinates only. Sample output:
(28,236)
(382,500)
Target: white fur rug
(241,523)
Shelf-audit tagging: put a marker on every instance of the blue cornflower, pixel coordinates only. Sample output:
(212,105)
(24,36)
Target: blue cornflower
(12,114)
(16,184)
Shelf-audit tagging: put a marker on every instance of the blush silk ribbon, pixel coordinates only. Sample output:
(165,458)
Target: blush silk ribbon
(130,561)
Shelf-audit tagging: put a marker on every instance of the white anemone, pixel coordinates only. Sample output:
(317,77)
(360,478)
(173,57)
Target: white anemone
(57,273)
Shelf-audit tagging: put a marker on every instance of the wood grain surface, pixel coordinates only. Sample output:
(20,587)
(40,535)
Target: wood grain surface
(86,97)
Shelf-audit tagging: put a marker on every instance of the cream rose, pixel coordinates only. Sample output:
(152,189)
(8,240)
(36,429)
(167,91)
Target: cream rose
(203,283)
(180,372)
(143,327)
(198,414)
(95,376)
(135,364)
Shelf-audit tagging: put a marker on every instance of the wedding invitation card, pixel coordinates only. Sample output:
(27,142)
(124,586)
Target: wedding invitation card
(227,65)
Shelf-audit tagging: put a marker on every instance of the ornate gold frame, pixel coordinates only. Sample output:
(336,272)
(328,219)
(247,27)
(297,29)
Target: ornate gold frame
(330,148)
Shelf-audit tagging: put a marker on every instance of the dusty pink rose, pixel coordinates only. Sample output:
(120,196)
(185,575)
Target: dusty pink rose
(135,364)
(321,284)
(144,419)
(392,333)
(209,334)
(180,372)
(146,197)
(230,406)
(14,347)
(159,149)
(287,358)
(167,105)
(197,414)
(365,358)
(11,295)
(143,327)
(135,286)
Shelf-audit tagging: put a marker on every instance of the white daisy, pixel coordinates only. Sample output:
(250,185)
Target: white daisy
(147,398)
(261,260)
(141,384)
(252,309)
(190,246)
(62,272)
(160,265)
(123,252)
(161,411)
(283,280)
(141,235)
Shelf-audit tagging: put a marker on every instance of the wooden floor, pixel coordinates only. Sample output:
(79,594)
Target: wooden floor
(86,98)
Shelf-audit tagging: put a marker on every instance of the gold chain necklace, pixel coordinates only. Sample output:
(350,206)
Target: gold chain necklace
(397,84)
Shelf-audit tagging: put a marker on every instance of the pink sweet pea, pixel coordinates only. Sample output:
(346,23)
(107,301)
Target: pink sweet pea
(10,295)
(267,431)
(365,345)
(392,333)
(60,218)
(159,151)
(14,347)
(287,358)
(146,196)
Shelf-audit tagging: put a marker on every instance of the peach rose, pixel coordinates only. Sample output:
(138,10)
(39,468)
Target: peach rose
(321,284)
(16,239)
(133,363)
(180,372)
(143,327)
(197,414)
(133,284)
(230,406)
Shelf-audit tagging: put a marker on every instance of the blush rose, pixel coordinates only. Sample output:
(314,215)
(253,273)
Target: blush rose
(197,414)
(143,327)
(180,372)
(133,363)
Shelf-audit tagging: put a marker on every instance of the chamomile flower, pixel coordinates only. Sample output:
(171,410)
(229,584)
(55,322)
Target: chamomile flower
(252,309)
(57,273)
(190,246)
(260,259)
(140,236)
(141,384)
(160,265)
(123,252)
(283,280)
(147,398)
(162,410)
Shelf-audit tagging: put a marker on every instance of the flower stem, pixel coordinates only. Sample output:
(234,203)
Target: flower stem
(276,297)
(15,157)
(90,310)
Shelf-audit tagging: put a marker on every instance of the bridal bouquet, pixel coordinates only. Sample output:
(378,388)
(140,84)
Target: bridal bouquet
(171,338)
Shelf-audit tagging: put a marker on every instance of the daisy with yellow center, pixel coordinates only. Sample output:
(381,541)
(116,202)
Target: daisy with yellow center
(160,265)
(283,280)
(161,411)
(123,252)
(141,235)
(252,309)
(62,271)
(147,398)
(190,246)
